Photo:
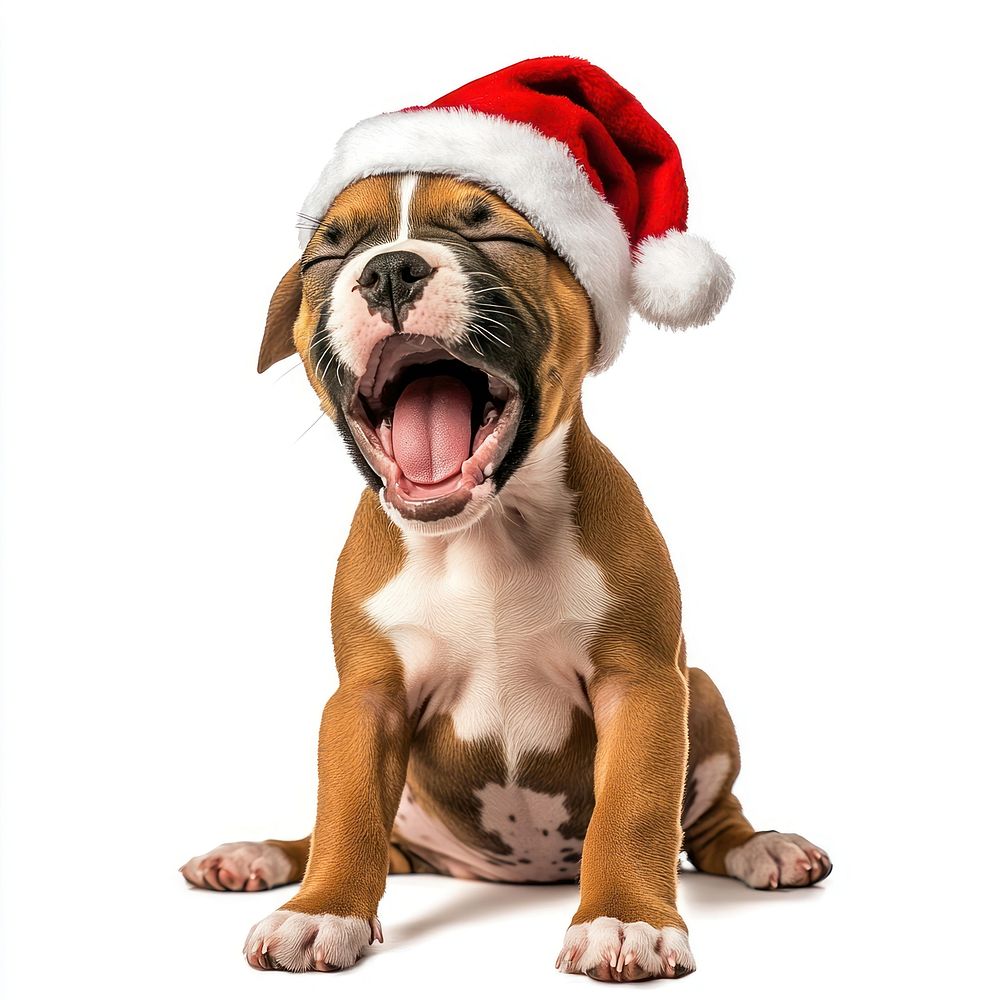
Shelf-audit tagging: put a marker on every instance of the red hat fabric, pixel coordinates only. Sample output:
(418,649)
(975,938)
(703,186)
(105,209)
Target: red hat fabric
(578,155)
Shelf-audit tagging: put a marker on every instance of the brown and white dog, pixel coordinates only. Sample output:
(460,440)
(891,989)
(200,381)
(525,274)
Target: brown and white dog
(514,700)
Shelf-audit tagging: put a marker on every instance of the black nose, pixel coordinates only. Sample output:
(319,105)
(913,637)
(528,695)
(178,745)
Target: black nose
(392,282)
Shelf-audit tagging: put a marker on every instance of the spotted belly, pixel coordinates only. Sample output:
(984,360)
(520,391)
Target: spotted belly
(467,814)
(530,826)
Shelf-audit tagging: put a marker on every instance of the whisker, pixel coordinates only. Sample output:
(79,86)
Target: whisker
(481,307)
(488,319)
(482,332)
(288,371)
(326,350)
(489,335)
(310,427)
(493,307)
(319,360)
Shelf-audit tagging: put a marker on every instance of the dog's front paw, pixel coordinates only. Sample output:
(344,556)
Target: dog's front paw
(614,952)
(246,866)
(309,942)
(773,860)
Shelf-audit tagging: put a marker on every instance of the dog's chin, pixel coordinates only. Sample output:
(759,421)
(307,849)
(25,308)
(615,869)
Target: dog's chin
(435,427)
(466,511)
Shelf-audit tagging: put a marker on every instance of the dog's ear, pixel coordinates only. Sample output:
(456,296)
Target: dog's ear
(278,342)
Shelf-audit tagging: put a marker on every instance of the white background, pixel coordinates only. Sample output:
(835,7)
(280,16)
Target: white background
(822,461)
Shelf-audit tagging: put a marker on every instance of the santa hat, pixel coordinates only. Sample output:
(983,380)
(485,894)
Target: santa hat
(575,153)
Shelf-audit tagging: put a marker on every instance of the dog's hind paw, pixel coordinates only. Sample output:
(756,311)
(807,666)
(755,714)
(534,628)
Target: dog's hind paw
(773,860)
(615,952)
(246,866)
(309,942)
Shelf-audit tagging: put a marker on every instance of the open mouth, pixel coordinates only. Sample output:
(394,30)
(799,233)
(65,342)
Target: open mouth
(431,425)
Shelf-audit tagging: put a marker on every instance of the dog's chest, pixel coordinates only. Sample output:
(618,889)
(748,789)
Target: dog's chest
(493,629)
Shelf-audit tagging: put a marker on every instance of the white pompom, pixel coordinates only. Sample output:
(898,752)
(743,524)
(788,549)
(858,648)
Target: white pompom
(679,281)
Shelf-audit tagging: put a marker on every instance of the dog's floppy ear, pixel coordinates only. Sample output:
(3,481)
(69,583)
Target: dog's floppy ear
(278,342)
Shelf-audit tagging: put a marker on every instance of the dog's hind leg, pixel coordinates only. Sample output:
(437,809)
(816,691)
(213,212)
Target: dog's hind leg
(249,865)
(718,838)
(404,862)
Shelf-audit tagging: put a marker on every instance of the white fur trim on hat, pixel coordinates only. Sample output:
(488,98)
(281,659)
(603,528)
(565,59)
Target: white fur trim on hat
(538,176)
(679,281)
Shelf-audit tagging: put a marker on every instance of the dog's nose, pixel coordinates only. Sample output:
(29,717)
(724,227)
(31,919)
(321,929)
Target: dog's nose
(392,282)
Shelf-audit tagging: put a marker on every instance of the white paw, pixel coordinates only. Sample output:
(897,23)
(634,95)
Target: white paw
(774,860)
(245,866)
(607,949)
(304,942)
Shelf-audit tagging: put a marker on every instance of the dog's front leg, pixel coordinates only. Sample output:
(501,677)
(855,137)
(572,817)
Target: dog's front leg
(363,751)
(627,926)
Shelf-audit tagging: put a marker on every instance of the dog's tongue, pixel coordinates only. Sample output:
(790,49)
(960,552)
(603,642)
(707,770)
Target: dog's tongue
(432,429)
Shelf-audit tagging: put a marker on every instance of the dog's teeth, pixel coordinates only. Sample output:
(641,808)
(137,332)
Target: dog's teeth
(489,414)
(497,388)
(384,434)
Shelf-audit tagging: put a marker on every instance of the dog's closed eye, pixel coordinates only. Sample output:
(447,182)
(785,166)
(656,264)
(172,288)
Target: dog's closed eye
(478,214)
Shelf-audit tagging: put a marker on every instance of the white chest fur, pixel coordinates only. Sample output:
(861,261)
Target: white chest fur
(492,624)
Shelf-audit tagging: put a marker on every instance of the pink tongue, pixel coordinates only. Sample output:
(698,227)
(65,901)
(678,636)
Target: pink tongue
(432,429)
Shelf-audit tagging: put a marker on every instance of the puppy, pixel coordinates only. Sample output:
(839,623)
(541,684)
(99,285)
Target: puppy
(514,702)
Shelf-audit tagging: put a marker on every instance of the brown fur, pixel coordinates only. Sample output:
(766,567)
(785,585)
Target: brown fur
(286,301)
(639,684)
(640,699)
(622,770)
(364,732)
